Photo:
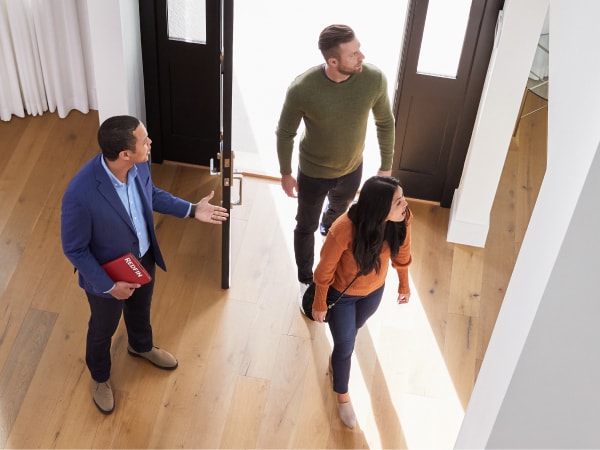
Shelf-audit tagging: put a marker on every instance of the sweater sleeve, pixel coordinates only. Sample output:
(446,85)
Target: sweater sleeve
(331,252)
(403,259)
(287,128)
(384,123)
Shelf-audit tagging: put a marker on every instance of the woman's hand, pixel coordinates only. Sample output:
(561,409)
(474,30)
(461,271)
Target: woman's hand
(403,298)
(319,316)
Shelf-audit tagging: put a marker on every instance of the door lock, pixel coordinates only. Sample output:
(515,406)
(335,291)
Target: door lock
(236,180)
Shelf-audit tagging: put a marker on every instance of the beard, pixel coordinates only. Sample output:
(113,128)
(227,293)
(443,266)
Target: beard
(345,70)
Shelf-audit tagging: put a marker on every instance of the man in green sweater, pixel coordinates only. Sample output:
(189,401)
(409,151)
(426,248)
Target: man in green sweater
(334,100)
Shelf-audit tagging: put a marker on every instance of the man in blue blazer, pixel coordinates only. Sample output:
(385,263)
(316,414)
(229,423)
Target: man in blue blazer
(106,213)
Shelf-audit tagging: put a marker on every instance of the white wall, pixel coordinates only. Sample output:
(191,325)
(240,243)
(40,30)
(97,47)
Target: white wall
(553,399)
(494,125)
(117,57)
(539,382)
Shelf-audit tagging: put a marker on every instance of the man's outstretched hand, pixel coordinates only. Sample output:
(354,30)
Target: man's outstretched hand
(209,213)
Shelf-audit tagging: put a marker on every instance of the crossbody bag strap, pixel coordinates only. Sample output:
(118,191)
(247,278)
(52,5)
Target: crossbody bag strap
(342,293)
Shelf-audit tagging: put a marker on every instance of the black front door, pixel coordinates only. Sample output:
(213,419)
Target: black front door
(181,50)
(187,61)
(435,110)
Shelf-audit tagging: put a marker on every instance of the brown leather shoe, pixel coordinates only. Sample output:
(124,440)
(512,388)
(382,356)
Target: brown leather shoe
(157,356)
(103,397)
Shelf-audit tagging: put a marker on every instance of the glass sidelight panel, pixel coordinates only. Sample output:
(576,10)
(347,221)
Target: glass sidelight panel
(186,20)
(443,37)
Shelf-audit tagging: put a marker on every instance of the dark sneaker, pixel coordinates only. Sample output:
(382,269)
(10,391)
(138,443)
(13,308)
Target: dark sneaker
(323,230)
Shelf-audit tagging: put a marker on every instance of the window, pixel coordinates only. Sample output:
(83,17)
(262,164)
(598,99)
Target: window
(186,20)
(443,37)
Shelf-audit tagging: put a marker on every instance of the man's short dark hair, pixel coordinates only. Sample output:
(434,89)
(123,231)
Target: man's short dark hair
(331,37)
(116,134)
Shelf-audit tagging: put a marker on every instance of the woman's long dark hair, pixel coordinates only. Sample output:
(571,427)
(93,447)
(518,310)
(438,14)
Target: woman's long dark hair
(368,215)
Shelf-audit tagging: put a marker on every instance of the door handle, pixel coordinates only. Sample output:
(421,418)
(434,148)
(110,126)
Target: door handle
(238,179)
(214,171)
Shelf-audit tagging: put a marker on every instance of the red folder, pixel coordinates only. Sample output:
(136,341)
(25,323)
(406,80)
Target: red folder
(127,268)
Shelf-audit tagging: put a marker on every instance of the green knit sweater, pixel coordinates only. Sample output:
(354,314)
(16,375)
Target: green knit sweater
(335,122)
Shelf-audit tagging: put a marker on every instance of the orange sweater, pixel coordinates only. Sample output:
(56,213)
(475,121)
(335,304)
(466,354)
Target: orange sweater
(337,266)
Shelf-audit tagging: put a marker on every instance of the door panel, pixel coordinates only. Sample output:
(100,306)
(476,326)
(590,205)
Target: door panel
(434,114)
(190,90)
(188,93)
(431,109)
(182,81)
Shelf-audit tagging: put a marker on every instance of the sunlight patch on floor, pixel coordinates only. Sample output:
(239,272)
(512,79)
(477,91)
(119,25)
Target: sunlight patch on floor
(286,215)
(420,388)
(399,379)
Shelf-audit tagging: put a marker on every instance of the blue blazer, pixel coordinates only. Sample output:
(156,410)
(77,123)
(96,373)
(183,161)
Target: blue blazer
(95,227)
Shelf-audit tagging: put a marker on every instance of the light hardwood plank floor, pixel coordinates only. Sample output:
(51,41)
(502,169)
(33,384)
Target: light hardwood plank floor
(253,372)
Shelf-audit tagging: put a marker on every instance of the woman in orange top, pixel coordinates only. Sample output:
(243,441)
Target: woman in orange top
(374,232)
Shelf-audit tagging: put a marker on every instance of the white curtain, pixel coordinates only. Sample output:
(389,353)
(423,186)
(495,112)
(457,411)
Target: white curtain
(44,58)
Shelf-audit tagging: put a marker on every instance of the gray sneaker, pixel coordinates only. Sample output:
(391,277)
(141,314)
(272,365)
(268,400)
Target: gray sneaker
(157,356)
(103,396)
(347,414)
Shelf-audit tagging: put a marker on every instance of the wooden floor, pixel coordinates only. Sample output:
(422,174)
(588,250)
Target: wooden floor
(253,371)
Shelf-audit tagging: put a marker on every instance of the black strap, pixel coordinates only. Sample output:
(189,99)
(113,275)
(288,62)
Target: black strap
(342,293)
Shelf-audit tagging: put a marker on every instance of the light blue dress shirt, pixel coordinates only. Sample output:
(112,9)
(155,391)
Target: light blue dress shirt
(130,197)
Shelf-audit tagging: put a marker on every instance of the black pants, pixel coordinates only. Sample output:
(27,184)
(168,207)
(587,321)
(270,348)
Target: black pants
(311,194)
(104,320)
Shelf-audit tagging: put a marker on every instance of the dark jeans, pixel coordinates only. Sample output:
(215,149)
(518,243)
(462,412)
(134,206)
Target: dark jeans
(105,314)
(347,316)
(311,194)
